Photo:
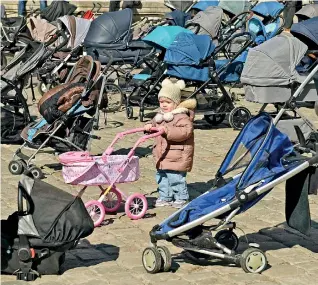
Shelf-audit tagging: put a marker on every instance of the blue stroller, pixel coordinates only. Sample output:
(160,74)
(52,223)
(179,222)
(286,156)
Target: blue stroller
(264,157)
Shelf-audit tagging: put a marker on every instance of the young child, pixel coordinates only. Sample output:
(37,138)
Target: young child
(173,151)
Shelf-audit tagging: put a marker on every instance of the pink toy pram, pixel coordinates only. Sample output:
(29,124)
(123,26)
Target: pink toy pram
(81,168)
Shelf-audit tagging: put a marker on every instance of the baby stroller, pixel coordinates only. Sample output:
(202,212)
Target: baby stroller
(264,158)
(48,222)
(70,112)
(81,168)
(270,77)
(307,12)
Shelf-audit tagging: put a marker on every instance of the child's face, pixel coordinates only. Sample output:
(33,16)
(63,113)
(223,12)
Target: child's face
(167,105)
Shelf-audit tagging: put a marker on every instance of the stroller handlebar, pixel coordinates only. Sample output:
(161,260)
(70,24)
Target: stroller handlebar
(154,132)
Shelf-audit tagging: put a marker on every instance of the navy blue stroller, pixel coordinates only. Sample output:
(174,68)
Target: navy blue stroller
(260,158)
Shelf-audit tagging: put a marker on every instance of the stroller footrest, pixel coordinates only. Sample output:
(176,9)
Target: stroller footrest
(23,156)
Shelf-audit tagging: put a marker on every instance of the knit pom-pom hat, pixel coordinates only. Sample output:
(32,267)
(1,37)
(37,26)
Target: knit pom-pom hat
(172,90)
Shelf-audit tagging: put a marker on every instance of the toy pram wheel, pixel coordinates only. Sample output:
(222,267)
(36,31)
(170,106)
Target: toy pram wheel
(214,120)
(112,200)
(166,258)
(238,117)
(36,172)
(96,211)
(253,260)
(16,167)
(136,206)
(151,260)
(129,112)
(227,238)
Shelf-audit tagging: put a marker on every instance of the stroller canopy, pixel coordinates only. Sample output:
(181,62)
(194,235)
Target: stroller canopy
(273,63)
(234,7)
(308,12)
(268,9)
(163,36)
(185,55)
(307,32)
(77,28)
(57,9)
(41,30)
(54,216)
(258,151)
(111,28)
(209,20)
(178,17)
(178,5)
(203,5)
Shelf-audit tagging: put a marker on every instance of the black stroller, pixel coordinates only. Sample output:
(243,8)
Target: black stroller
(35,238)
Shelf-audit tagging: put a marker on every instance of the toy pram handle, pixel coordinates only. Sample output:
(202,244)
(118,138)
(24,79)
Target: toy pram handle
(110,149)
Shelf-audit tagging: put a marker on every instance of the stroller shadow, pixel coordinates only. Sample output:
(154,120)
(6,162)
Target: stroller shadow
(87,254)
(283,236)
(198,188)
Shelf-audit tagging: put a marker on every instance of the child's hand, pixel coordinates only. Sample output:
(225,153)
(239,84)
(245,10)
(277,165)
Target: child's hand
(162,129)
(148,127)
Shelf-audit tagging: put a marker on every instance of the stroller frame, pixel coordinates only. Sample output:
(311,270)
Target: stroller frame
(242,197)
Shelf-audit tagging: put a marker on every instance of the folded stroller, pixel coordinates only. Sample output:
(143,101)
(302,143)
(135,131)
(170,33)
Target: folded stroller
(70,111)
(35,238)
(270,76)
(264,157)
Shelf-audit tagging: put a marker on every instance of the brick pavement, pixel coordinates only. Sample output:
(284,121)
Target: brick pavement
(112,254)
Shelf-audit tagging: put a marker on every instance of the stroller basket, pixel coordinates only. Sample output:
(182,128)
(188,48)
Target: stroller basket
(98,172)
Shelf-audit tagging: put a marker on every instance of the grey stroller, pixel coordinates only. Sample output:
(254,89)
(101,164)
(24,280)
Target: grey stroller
(270,77)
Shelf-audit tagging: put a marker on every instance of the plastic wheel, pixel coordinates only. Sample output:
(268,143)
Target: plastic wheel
(96,211)
(129,112)
(214,120)
(42,88)
(113,96)
(227,238)
(238,117)
(112,200)
(36,172)
(16,167)
(136,206)
(253,260)
(166,258)
(151,260)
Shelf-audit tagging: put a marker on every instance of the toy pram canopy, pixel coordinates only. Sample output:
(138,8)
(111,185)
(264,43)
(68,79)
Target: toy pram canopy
(185,55)
(77,28)
(54,216)
(234,7)
(269,9)
(308,12)
(259,152)
(307,32)
(163,36)
(203,5)
(178,5)
(110,29)
(274,62)
(58,9)
(209,20)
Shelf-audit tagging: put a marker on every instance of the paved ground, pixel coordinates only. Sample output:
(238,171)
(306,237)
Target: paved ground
(112,254)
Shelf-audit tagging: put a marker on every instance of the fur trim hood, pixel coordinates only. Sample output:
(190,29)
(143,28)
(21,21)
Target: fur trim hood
(185,107)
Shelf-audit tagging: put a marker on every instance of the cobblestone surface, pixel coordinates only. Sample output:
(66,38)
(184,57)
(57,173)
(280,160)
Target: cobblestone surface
(112,254)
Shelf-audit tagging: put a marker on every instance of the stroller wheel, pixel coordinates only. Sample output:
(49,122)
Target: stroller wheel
(166,258)
(136,206)
(227,238)
(238,117)
(36,172)
(96,211)
(112,200)
(253,260)
(151,260)
(16,167)
(214,120)
(129,112)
